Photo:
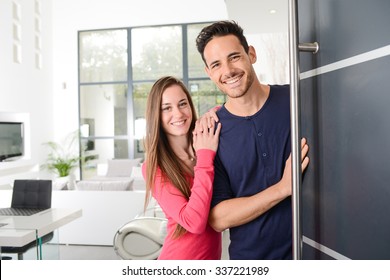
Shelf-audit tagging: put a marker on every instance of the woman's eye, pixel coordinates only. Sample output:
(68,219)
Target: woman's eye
(166,109)
(183,104)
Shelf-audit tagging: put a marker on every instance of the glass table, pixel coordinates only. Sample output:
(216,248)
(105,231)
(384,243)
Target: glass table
(18,231)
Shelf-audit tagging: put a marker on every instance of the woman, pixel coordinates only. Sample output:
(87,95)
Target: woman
(179,171)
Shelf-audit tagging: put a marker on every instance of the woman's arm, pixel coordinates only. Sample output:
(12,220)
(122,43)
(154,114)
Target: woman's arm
(191,214)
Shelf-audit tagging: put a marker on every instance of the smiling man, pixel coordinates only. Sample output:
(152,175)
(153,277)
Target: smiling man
(252,183)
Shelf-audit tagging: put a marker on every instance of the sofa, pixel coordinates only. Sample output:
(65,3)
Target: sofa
(108,201)
(115,175)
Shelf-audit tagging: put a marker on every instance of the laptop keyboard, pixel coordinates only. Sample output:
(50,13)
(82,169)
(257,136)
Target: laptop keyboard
(19,211)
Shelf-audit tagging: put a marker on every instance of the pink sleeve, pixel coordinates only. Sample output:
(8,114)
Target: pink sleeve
(191,214)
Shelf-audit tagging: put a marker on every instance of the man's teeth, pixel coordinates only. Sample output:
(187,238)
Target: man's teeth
(233,80)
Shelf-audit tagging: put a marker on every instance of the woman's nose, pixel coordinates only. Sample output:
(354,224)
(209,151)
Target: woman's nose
(176,111)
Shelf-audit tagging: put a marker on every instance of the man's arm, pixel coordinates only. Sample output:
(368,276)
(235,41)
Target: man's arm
(238,211)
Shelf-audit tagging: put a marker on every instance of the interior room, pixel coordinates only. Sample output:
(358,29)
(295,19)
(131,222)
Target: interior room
(49,74)
(75,77)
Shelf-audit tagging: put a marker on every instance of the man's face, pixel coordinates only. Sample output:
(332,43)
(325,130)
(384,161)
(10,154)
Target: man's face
(229,66)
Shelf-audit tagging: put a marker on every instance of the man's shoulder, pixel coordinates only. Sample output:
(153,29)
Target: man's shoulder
(280,88)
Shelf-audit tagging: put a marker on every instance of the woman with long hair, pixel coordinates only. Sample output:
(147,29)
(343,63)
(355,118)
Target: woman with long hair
(179,171)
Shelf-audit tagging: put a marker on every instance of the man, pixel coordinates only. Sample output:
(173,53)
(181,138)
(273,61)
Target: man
(252,184)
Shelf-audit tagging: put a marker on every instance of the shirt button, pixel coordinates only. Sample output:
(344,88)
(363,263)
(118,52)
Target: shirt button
(260,134)
(264,154)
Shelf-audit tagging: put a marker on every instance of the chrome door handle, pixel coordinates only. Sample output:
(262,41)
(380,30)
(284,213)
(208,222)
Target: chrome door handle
(309,47)
(296,167)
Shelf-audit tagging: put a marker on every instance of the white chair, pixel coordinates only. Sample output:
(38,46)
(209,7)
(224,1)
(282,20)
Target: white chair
(143,237)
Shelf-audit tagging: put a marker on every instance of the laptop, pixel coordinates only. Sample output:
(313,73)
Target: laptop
(10,211)
(29,197)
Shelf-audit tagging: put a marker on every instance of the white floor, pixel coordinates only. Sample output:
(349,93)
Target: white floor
(77,252)
(70,252)
(82,252)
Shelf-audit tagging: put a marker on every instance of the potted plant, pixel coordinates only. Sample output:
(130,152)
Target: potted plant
(62,159)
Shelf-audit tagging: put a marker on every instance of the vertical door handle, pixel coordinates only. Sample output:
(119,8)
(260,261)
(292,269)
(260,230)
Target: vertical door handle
(296,175)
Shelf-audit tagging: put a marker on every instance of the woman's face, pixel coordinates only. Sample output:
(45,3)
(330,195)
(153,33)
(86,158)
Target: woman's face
(176,115)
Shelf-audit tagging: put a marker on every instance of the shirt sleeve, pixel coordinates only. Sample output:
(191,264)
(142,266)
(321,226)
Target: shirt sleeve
(222,190)
(192,214)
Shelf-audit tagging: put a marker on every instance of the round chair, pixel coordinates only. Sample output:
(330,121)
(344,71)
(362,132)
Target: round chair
(141,238)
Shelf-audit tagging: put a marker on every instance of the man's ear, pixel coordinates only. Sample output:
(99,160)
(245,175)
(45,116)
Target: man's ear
(252,54)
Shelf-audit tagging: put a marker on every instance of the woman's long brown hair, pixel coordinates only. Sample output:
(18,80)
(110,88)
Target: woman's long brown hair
(158,151)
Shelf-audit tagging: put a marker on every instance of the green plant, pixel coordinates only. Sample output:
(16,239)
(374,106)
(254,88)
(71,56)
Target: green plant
(63,157)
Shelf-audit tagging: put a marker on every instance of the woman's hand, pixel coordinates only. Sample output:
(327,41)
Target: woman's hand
(208,138)
(207,120)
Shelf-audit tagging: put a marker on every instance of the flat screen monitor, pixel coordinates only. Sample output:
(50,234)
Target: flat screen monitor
(11,140)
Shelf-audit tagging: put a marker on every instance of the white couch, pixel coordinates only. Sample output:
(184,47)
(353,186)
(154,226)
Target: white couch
(108,201)
(104,212)
(116,175)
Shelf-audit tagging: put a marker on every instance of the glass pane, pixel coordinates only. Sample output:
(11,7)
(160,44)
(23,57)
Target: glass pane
(205,95)
(98,151)
(103,56)
(103,110)
(140,93)
(195,62)
(156,52)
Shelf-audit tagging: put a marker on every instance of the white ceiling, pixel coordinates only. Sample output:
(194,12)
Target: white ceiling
(254,15)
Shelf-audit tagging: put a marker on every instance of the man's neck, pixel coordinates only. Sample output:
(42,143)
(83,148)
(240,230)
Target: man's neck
(250,103)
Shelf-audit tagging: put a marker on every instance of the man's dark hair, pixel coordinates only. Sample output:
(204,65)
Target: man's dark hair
(218,29)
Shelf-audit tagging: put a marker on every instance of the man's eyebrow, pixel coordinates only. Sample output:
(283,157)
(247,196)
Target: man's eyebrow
(213,62)
(233,53)
(230,55)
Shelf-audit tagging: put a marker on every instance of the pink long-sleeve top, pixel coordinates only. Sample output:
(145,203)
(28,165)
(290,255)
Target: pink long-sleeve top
(200,242)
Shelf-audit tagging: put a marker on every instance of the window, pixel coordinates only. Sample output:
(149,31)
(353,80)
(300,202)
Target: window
(117,68)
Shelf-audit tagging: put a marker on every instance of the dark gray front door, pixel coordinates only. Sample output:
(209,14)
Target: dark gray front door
(345,114)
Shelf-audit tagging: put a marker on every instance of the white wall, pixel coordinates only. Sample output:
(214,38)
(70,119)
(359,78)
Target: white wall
(265,24)
(23,87)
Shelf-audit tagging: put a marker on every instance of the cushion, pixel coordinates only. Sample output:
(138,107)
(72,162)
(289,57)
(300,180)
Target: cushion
(121,167)
(60,185)
(136,173)
(139,182)
(125,185)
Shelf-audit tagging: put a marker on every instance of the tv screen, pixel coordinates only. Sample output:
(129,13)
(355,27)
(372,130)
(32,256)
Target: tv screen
(11,140)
